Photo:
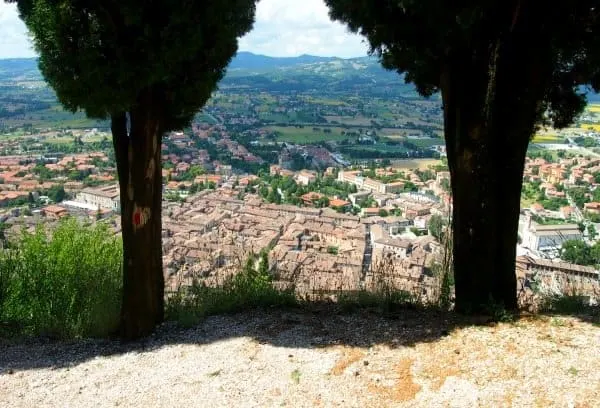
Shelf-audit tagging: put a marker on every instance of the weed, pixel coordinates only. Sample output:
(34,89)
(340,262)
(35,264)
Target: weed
(573,371)
(214,373)
(384,300)
(251,288)
(63,283)
(499,313)
(565,304)
(296,376)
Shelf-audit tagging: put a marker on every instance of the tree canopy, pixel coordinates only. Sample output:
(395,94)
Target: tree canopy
(100,55)
(416,38)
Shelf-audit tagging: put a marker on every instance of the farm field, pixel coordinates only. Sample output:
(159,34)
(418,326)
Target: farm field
(591,126)
(421,164)
(593,107)
(401,133)
(53,118)
(306,134)
(547,138)
(424,142)
(349,120)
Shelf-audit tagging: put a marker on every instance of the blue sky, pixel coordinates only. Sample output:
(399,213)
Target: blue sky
(283,28)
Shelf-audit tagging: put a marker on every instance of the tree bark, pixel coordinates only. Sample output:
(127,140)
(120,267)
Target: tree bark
(490,111)
(138,156)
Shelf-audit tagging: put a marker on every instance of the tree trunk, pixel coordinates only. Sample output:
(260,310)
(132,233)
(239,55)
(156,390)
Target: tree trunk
(491,105)
(138,156)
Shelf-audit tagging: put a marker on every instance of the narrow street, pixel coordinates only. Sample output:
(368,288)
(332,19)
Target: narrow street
(367,256)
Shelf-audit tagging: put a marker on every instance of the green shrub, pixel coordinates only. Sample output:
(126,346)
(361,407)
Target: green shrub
(251,288)
(566,304)
(62,283)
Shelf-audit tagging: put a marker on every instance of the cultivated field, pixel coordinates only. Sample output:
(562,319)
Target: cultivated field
(306,134)
(590,126)
(421,164)
(593,108)
(546,137)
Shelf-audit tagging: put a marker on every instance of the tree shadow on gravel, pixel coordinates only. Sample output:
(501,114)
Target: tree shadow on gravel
(312,327)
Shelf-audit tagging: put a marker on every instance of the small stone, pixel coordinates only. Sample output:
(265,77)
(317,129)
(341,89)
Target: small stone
(356,373)
(366,363)
(457,351)
(10,371)
(291,356)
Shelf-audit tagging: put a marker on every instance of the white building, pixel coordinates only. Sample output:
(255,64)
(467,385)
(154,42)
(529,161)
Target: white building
(305,177)
(548,237)
(107,197)
(381,240)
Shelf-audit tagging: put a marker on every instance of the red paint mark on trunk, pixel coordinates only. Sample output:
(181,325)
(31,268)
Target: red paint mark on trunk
(137,218)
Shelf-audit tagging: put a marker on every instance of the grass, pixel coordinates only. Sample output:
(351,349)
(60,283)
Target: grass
(295,375)
(64,283)
(55,118)
(384,300)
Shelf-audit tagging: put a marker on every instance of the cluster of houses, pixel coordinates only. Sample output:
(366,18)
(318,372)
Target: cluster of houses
(316,251)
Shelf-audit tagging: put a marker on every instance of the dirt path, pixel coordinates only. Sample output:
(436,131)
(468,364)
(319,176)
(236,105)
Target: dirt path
(293,359)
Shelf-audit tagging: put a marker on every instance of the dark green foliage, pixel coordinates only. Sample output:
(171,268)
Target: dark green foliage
(554,203)
(56,193)
(436,226)
(416,38)
(566,304)
(580,253)
(64,283)
(99,56)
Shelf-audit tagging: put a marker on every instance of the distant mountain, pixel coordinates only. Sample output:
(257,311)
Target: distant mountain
(248,60)
(305,73)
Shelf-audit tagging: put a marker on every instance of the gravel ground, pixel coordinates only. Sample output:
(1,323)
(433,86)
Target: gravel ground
(316,359)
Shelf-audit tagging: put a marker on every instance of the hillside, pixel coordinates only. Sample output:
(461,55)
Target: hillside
(302,359)
(263,73)
(26,99)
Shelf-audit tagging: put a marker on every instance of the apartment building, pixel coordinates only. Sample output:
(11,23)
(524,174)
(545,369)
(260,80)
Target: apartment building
(106,197)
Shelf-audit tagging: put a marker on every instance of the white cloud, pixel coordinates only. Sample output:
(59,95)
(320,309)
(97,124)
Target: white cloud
(282,28)
(292,27)
(14,40)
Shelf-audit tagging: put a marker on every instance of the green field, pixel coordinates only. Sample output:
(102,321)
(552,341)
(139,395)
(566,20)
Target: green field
(306,134)
(425,142)
(53,118)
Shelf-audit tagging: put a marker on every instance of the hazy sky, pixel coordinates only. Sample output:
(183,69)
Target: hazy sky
(282,28)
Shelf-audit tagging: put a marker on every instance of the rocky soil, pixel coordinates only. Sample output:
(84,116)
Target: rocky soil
(316,359)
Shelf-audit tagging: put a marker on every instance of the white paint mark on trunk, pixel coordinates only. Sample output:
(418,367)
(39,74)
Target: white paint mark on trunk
(130,188)
(150,170)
